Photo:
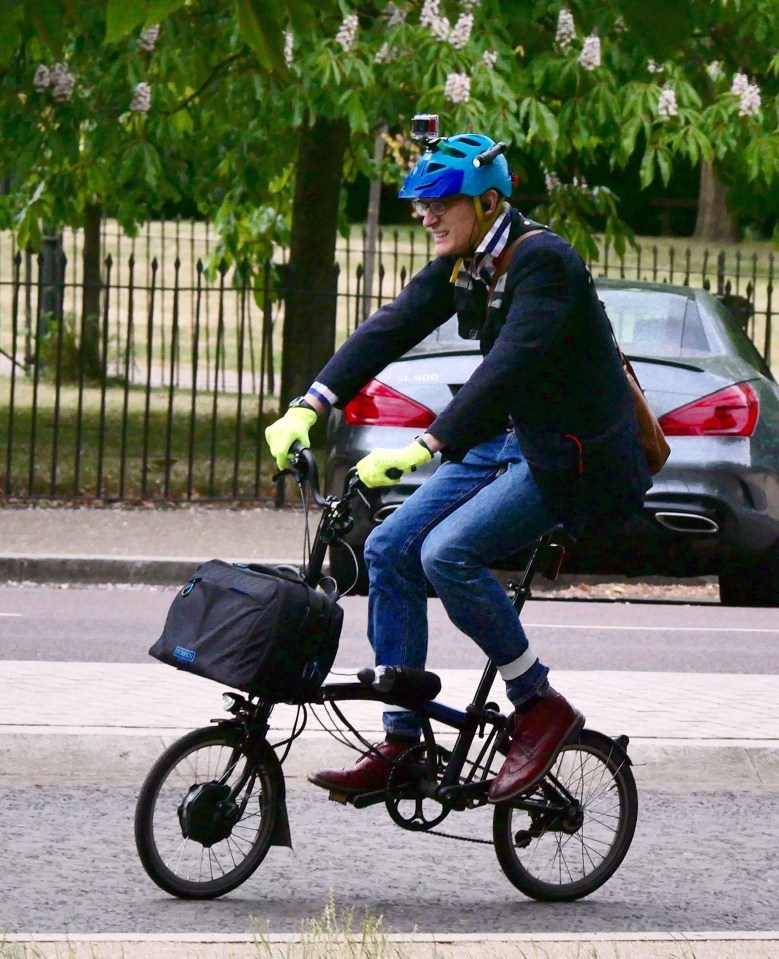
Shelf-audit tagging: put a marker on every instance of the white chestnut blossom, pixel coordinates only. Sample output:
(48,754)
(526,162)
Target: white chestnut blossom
(289,41)
(667,106)
(62,81)
(653,67)
(581,184)
(714,70)
(619,25)
(396,15)
(552,181)
(347,32)
(589,58)
(461,32)
(42,79)
(749,104)
(148,38)
(431,17)
(566,29)
(739,84)
(470,5)
(430,11)
(141,101)
(489,58)
(386,54)
(457,88)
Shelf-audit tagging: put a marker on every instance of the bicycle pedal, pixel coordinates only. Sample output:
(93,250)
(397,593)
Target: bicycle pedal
(342,798)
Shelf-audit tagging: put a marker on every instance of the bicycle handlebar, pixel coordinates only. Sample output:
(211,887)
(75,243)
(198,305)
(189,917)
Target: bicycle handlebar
(305,465)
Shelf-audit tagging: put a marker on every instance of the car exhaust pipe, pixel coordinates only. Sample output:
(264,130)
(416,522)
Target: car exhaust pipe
(383,512)
(687,523)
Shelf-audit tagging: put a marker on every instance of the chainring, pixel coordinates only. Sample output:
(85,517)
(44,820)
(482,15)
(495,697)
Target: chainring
(407,792)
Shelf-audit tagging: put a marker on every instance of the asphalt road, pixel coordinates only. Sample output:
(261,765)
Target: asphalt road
(118,624)
(699,861)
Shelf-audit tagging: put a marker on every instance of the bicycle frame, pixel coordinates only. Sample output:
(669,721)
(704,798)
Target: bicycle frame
(478,715)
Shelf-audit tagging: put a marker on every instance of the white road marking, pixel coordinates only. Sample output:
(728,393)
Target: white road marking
(666,629)
(11,615)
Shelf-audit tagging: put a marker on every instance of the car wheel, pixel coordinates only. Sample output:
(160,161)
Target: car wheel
(753,584)
(342,569)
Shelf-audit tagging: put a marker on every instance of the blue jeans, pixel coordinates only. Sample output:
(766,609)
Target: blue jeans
(466,517)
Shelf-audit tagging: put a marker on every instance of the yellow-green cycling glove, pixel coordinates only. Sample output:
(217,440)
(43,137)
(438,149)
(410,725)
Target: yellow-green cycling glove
(374,468)
(293,425)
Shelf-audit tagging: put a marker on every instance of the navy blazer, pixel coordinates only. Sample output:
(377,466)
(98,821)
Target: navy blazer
(550,364)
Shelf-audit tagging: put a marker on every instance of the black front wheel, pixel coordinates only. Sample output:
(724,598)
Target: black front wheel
(569,835)
(205,814)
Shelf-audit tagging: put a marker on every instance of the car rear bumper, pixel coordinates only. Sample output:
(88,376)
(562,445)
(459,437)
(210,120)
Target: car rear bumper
(693,523)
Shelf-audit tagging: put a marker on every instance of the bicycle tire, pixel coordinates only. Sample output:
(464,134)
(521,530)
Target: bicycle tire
(550,864)
(189,776)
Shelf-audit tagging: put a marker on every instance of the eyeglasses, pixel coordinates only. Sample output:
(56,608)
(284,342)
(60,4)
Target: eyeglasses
(436,207)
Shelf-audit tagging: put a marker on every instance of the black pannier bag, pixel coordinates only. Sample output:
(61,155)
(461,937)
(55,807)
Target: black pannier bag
(255,628)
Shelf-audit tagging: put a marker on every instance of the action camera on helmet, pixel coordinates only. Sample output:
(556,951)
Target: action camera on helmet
(424,127)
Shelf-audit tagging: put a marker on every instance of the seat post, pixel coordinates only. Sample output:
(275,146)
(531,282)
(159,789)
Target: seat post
(522,588)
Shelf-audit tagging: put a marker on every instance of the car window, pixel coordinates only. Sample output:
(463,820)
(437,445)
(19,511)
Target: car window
(738,341)
(656,322)
(445,339)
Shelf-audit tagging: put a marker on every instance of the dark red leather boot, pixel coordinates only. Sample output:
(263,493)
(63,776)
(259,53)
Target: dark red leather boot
(538,736)
(370,773)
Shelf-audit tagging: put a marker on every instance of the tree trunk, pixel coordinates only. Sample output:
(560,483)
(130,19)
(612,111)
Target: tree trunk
(90,303)
(372,226)
(310,307)
(714,222)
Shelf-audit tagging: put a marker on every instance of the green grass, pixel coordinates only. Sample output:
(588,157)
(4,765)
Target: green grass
(178,445)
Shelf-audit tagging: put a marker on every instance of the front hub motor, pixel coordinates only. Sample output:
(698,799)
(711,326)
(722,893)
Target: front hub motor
(207,814)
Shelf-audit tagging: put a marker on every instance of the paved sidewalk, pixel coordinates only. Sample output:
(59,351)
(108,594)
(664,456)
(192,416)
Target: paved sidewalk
(152,545)
(110,721)
(627,945)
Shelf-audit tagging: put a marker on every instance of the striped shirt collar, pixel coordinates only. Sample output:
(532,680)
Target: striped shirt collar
(482,266)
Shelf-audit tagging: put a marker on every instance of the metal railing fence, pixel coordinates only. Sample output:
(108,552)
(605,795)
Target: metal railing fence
(164,396)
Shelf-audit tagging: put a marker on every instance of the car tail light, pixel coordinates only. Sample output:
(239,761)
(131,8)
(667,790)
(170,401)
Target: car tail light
(729,412)
(379,405)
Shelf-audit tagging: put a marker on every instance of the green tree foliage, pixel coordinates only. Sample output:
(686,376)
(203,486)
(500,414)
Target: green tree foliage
(234,95)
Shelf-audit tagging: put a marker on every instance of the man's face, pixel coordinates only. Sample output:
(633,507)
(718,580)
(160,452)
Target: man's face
(454,231)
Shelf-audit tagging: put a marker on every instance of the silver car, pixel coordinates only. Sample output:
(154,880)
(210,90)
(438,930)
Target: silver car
(713,509)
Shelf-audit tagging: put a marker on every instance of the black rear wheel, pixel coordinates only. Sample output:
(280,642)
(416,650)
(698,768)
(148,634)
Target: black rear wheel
(205,814)
(752,584)
(576,825)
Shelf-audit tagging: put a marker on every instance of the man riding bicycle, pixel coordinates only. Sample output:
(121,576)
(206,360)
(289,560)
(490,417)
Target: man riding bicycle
(543,434)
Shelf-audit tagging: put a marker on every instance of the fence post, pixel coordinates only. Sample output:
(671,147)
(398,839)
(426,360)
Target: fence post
(720,273)
(50,280)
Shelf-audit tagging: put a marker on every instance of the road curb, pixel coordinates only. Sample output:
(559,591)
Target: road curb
(124,756)
(607,945)
(141,570)
(144,570)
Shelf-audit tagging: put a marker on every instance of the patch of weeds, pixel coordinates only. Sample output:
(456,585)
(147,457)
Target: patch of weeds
(334,934)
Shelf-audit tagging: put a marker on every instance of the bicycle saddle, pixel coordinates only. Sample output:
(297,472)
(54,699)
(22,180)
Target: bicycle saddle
(402,682)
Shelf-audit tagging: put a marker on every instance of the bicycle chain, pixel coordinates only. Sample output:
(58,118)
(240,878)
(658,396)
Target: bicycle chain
(450,835)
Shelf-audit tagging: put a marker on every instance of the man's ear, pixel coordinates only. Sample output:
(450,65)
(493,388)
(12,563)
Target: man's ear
(489,201)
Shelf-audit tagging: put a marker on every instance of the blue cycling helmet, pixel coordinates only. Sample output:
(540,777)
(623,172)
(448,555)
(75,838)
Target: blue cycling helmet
(446,168)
